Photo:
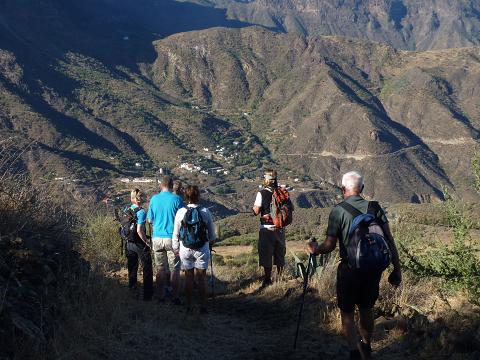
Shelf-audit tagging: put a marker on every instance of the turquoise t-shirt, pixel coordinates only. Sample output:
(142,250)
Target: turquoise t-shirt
(141,215)
(161,213)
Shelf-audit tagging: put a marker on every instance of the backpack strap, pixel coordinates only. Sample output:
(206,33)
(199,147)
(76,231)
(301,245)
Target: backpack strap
(350,209)
(135,211)
(373,209)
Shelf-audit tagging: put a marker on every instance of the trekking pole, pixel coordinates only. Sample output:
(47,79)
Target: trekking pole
(305,285)
(212,278)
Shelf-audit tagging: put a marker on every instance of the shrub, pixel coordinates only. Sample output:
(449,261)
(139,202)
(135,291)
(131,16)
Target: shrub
(245,239)
(99,239)
(456,264)
(34,249)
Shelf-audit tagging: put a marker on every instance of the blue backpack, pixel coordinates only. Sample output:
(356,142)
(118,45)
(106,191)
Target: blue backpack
(367,249)
(193,231)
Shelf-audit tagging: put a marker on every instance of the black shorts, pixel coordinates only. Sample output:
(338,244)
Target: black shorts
(356,288)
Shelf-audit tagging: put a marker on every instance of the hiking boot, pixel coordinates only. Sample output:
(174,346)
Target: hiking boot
(266,283)
(177,302)
(203,310)
(365,350)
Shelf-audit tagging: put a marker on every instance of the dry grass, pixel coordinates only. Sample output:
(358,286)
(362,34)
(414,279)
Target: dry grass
(34,242)
(103,322)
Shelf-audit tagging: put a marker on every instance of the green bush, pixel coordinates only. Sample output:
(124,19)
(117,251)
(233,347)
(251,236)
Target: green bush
(100,239)
(456,264)
(245,239)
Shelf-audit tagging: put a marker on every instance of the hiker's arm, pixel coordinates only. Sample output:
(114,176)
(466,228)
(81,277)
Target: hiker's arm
(212,233)
(257,206)
(176,231)
(142,234)
(150,215)
(393,251)
(393,247)
(324,248)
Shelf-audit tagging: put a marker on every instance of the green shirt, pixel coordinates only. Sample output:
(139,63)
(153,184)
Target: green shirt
(340,220)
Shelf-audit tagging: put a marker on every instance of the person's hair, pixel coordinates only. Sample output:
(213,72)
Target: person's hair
(167,182)
(137,195)
(177,187)
(270,177)
(353,181)
(192,194)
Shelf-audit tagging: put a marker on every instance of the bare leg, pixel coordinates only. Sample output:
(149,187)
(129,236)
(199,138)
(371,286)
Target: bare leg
(189,275)
(279,272)
(349,329)
(202,288)
(175,280)
(161,284)
(168,281)
(366,325)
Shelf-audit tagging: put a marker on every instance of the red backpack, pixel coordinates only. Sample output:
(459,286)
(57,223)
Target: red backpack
(281,208)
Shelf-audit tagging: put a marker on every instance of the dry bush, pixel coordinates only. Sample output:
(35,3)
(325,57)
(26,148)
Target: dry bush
(34,239)
(99,240)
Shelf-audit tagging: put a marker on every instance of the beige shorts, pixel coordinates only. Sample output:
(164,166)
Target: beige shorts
(165,259)
(271,247)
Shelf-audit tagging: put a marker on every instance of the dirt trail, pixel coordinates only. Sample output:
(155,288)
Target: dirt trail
(351,156)
(244,323)
(453,141)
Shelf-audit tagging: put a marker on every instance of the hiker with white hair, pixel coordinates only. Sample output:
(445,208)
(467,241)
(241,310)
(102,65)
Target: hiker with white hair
(366,249)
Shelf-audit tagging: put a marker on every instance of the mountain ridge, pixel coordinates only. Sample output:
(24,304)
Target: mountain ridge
(405,24)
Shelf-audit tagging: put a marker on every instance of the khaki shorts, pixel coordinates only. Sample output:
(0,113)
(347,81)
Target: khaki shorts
(165,259)
(271,245)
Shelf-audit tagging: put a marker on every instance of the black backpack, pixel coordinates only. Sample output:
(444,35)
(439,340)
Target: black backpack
(128,225)
(367,248)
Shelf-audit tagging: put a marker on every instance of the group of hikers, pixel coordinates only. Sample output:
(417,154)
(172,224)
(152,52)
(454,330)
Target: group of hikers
(181,235)
(183,232)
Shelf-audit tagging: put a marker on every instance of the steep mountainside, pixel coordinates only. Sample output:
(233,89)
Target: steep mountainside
(331,104)
(71,82)
(83,82)
(405,24)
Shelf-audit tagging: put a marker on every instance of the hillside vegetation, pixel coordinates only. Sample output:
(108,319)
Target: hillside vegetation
(331,104)
(95,97)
